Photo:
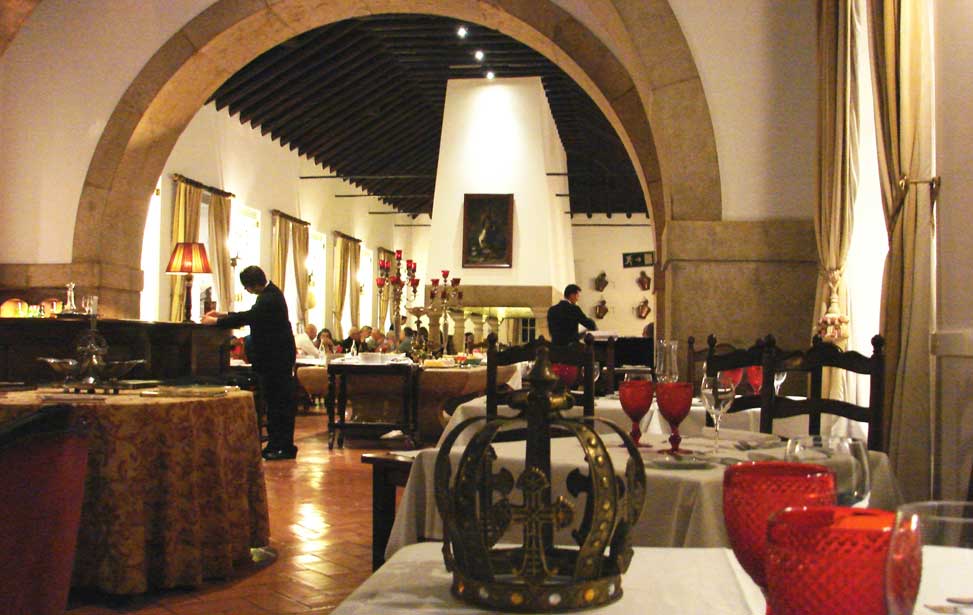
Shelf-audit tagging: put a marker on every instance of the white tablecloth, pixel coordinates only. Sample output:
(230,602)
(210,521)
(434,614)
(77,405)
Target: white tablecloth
(683,508)
(659,582)
(610,408)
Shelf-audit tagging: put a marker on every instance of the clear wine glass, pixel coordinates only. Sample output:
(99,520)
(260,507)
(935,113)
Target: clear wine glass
(779,378)
(717,393)
(930,558)
(846,457)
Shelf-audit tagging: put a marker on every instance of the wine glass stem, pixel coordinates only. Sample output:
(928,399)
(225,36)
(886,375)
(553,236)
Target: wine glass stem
(716,442)
(636,432)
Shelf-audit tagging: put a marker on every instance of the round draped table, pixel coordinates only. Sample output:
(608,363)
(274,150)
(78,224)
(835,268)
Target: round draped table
(438,386)
(174,492)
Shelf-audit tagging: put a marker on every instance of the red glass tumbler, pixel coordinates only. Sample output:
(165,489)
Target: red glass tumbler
(755,490)
(827,559)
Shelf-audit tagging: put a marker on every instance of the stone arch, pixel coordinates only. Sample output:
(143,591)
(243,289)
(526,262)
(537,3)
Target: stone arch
(193,63)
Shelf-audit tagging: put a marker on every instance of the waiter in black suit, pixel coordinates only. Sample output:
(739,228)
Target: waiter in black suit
(564,317)
(272,359)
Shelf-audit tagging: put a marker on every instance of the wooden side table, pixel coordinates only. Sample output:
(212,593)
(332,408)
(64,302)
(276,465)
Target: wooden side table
(337,401)
(388,472)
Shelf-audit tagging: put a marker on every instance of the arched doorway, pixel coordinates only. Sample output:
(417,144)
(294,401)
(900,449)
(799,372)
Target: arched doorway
(170,89)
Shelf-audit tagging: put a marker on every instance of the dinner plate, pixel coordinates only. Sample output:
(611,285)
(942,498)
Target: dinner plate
(680,464)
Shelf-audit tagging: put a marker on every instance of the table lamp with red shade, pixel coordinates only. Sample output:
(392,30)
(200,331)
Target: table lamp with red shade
(188,258)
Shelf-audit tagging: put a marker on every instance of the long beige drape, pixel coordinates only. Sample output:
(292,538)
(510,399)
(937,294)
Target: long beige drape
(339,283)
(837,160)
(901,73)
(300,238)
(219,251)
(279,243)
(185,227)
(354,263)
(383,301)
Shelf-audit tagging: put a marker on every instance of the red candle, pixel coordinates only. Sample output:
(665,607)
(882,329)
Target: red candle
(454,282)
(380,281)
(409,264)
(445,273)
(398,255)
(435,281)
(414,282)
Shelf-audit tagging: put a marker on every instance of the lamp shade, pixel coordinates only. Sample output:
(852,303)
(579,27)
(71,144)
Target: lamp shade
(188,257)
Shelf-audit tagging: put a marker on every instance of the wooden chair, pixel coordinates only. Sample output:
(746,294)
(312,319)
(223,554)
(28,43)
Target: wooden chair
(696,357)
(580,355)
(45,461)
(819,356)
(735,359)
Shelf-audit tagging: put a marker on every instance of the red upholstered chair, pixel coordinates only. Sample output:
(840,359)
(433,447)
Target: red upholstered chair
(44,463)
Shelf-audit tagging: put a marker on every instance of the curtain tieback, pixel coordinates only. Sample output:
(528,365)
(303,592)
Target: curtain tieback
(833,325)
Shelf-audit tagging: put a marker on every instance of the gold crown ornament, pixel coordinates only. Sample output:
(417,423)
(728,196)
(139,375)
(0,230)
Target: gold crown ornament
(477,509)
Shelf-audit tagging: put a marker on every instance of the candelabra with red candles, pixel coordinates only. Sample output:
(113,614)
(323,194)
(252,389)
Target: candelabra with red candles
(390,279)
(449,294)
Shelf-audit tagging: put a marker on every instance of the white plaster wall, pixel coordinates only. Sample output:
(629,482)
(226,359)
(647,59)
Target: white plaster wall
(953,340)
(498,138)
(756,60)
(63,75)
(218,150)
(600,248)
(65,71)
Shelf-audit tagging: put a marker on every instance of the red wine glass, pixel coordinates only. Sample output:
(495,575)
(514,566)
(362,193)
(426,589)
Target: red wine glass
(753,491)
(735,376)
(827,559)
(755,376)
(569,375)
(635,393)
(675,400)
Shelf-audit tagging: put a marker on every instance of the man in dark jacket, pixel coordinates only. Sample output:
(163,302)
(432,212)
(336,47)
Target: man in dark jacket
(272,357)
(564,317)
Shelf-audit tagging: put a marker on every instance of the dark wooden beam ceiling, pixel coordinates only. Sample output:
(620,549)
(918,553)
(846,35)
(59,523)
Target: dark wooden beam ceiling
(365,98)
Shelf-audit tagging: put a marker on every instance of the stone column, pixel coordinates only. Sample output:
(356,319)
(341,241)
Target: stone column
(477,320)
(738,281)
(457,329)
(435,330)
(494,324)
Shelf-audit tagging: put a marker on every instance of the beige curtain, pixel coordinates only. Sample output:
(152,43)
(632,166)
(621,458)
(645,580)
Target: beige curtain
(219,251)
(837,162)
(280,239)
(339,284)
(300,238)
(185,227)
(902,78)
(383,301)
(354,262)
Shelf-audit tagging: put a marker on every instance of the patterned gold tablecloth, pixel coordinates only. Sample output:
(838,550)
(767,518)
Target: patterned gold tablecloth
(175,489)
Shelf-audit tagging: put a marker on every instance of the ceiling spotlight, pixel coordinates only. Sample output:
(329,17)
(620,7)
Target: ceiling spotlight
(479,55)
(462,31)
(490,74)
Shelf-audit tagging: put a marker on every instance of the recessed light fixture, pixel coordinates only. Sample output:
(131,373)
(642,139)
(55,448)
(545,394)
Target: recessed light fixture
(490,74)
(462,31)
(479,55)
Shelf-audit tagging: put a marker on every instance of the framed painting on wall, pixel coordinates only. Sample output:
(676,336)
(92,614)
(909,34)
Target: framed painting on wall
(488,230)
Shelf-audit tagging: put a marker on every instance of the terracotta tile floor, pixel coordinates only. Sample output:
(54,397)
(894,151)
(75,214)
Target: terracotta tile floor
(321,524)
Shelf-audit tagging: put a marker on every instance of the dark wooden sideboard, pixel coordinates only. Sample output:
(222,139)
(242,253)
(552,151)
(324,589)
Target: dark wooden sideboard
(173,351)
